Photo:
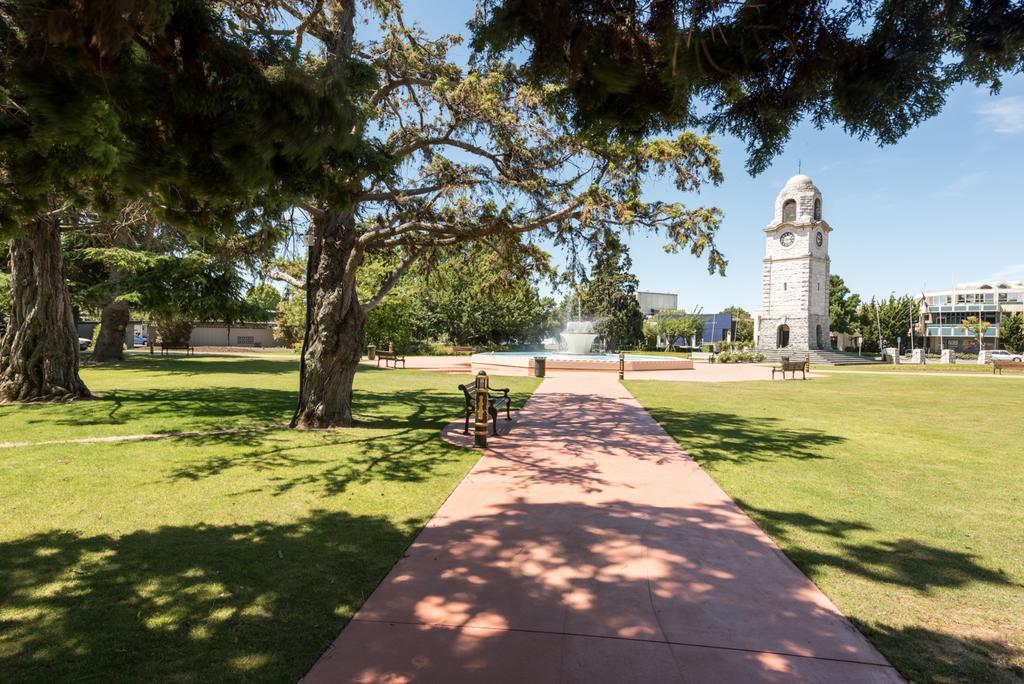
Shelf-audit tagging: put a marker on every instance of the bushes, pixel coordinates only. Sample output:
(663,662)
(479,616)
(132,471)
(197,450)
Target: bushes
(173,329)
(739,357)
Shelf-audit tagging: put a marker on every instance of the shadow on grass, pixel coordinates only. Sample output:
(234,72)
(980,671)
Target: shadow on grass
(204,603)
(174,410)
(203,407)
(397,439)
(901,562)
(199,365)
(925,655)
(920,654)
(711,436)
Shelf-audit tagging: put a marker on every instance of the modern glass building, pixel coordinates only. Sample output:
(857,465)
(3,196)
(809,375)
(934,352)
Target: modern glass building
(943,313)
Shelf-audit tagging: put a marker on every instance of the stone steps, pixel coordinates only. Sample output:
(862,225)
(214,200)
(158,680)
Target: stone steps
(820,357)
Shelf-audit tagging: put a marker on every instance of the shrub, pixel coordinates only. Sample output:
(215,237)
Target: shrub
(740,357)
(172,329)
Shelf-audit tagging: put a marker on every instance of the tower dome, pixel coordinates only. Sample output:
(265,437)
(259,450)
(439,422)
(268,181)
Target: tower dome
(799,201)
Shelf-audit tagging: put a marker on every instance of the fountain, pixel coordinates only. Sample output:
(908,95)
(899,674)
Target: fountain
(579,336)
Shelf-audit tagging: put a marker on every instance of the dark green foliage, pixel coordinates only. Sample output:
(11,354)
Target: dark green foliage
(842,306)
(162,273)
(755,69)
(609,295)
(895,315)
(1011,332)
(744,324)
(263,297)
(162,99)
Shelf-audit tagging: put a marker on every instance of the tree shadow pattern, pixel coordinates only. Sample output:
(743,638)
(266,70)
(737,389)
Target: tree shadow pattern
(204,603)
(677,576)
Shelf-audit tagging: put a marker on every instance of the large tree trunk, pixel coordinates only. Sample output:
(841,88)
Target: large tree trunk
(39,351)
(113,324)
(335,322)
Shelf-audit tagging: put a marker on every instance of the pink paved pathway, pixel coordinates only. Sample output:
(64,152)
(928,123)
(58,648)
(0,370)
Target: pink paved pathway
(585,546)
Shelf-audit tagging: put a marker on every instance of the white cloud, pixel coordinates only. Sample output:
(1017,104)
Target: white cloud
(1005,115)
(1011,272)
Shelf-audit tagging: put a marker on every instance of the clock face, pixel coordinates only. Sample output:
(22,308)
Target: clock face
(819,238)
(787,239)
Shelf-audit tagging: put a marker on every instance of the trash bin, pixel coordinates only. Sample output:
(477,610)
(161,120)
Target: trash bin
(371,351)
(539,366)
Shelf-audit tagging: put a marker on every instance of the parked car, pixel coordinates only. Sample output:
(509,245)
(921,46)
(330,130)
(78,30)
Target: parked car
(1003,355)
(84,343)
(139,341)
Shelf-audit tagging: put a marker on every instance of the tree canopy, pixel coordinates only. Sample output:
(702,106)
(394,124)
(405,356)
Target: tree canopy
(755,69)
(609,294)
(842,306)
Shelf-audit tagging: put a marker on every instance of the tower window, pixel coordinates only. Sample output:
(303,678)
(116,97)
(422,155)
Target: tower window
(783,286)
(789,211)
(817,208)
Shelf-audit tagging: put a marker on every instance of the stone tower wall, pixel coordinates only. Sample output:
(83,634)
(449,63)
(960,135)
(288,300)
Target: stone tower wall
(795,279)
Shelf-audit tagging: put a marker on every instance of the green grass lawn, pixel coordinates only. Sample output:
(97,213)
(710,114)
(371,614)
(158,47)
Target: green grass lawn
(216,558)
(901,497)
(963,367)
(674,354)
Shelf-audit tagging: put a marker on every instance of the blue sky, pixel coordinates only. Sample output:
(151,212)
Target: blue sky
(944,205)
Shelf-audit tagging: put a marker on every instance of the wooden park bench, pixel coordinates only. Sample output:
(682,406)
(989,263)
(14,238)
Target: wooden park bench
(391,357)
(463,350)
(1000,366)
(787,366)
(495,402)
(164,348)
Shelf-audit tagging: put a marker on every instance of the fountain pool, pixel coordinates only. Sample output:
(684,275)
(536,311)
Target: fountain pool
(563,361)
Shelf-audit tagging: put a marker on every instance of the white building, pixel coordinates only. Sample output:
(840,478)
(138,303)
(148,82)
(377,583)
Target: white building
(943,313)
(795,272)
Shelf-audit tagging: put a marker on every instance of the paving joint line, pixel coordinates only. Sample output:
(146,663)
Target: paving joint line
(619,638)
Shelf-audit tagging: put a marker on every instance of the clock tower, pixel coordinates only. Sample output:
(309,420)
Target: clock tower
(795,275)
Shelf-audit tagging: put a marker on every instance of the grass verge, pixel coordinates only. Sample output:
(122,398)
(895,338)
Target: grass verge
(902,498)
(219,558)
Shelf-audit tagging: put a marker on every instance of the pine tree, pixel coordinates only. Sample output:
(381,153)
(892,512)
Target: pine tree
(754,69)
(610,294)
(179,103)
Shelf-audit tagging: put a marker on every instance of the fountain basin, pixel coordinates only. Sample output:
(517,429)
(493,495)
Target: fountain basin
(592,362)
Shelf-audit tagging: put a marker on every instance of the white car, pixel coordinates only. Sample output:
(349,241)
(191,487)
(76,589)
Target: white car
(1003,355)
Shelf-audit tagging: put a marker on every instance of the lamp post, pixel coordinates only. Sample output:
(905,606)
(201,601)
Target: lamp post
(482,393)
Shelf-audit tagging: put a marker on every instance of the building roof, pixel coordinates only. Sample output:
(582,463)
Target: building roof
(984,285)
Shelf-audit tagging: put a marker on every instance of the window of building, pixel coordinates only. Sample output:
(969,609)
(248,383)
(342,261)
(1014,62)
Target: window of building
(789,211)
(817,208)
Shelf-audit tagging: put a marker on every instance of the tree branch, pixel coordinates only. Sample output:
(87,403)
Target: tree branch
(395,194)
(392,280)
(283,277)
(391,87)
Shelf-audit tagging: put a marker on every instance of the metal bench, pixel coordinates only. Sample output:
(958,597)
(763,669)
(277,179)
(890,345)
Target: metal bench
(494,404)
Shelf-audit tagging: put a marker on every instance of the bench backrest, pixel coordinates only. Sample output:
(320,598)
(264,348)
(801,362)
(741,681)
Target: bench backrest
(1007,364)
(470,393)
